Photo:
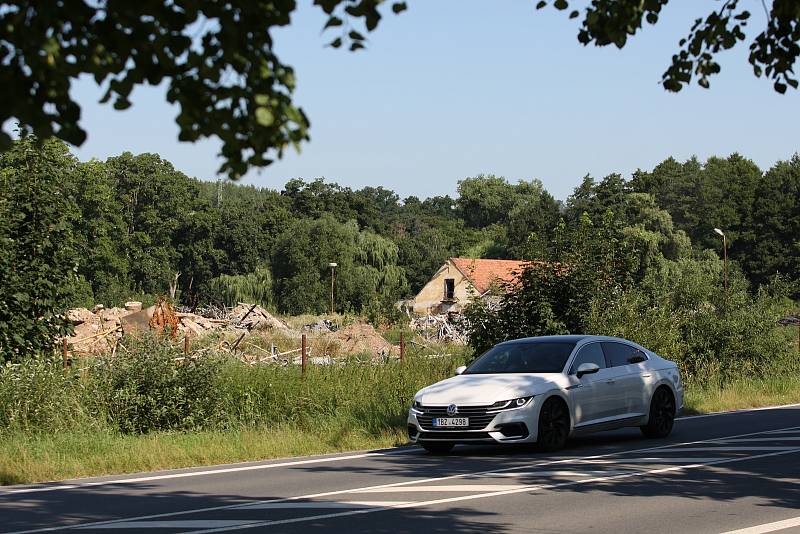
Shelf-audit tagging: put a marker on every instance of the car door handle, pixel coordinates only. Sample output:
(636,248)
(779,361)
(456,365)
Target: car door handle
(646,375)
(609,381)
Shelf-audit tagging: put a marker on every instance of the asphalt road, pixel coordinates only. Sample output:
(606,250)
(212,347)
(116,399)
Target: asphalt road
(715,474)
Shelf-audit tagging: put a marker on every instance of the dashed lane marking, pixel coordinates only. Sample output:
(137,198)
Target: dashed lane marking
(530,488)
(463,488)
(322,504)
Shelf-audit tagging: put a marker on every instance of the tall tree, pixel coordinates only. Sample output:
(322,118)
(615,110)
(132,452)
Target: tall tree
(38,256)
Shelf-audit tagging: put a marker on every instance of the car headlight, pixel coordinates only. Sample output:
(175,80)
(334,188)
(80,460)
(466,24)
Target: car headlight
(416,407)
(506,405)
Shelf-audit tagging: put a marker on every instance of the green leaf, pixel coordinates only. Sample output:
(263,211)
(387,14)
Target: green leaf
(264,116)
(399,7)
(541,4)
(561,5)
(333,21)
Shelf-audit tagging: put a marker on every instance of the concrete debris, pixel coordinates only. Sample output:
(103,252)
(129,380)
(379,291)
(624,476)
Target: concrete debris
(249,317)
(133,306)
(80,315)
(446,327)
(137,321)
(322,326)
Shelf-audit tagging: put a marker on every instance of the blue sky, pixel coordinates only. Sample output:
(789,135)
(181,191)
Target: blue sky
(455,88)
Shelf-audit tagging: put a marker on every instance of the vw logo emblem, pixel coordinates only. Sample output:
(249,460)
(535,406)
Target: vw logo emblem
(452,410)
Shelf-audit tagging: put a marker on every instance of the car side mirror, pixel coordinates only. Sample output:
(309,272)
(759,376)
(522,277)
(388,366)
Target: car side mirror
(587,369)
(460,369)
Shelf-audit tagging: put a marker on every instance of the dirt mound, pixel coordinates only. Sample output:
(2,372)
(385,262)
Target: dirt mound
(360,338)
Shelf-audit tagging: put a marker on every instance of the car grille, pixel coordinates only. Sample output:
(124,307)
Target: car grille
(478,418)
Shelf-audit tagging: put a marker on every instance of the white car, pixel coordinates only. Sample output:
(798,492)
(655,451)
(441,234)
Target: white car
(546,389)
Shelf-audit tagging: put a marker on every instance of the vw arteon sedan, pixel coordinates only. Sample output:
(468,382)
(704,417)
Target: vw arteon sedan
(546,389)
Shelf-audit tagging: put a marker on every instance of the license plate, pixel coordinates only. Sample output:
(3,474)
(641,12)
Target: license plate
(451,421)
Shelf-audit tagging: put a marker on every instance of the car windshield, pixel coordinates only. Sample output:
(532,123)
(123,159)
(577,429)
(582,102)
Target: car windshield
(529,357)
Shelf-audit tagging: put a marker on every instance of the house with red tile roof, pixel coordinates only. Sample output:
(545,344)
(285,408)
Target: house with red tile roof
(461,279)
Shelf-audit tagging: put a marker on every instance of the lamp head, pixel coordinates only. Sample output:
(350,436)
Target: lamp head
(720,232)
(332,264)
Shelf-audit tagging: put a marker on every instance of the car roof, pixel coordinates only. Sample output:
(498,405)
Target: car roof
(571,338)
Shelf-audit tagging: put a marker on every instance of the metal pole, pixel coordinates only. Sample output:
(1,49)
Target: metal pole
(402,345)
(725,254)
(303,354)
(333,282)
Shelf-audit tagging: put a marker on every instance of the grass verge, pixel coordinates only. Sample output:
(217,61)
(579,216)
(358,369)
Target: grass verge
(31,458)
(743,393)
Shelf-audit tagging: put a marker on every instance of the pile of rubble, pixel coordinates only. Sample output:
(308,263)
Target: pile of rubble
(446,328)
(98,330)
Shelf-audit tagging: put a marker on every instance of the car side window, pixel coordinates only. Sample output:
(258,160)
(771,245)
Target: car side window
(620,354)
(591,353)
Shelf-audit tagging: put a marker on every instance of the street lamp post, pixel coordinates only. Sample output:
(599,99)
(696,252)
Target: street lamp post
(333,265)
(724,254)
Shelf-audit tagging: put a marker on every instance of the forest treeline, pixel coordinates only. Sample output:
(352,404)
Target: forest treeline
(79,233)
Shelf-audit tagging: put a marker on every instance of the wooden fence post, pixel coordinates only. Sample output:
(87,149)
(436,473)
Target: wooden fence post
(303,348)
(402,345)
(65,352)
(186,344)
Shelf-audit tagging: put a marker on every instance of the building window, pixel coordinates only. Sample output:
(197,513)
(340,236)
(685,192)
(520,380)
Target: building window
(449,288)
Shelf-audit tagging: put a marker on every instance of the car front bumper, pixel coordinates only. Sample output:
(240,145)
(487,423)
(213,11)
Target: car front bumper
(513,426)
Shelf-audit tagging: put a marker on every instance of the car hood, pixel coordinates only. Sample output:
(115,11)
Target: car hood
(487,389)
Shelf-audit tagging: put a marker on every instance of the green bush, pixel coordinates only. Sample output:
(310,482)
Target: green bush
(682,312)
(145,389)
(148,388)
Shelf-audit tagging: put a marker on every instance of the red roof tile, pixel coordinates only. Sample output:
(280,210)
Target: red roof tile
(483,273)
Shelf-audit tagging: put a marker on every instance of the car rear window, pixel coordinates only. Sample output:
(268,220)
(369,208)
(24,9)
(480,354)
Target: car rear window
(530,357)
(620,354)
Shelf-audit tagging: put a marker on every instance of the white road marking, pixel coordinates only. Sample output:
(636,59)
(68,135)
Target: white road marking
(321,504)
(767,438)
(491,494)
(734,412)
(149,478)
(728,449)
(463,488)
(576,460)
(554,474)
(768,527)
(198,523)
(665,460)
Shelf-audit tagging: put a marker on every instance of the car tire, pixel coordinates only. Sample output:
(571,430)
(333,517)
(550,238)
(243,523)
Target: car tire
(553,425)
(437,447)
(662,414)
